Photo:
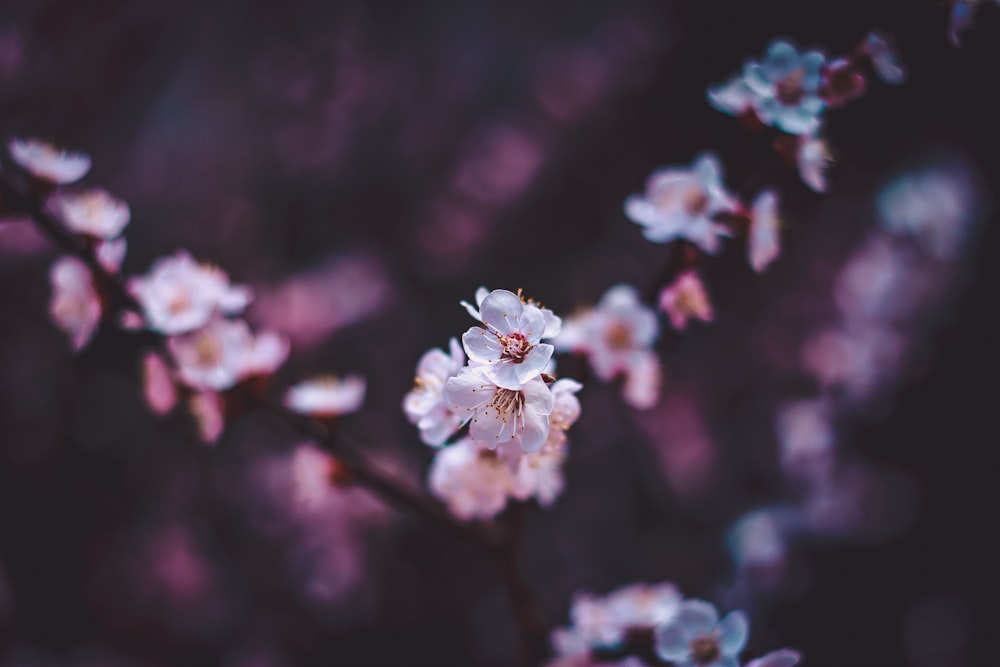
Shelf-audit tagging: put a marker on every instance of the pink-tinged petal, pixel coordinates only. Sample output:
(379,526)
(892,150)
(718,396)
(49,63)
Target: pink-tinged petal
(500,310)
(235,299)
(488,427)
(74,306)
(697,617)
(733,631)
(469,389)
(534,431)
(672,642)
(47,162)
(553,324)
(785,657)
(206,408)
(531,324)
(538,397)
(707,170)
(482,345)
(158,385)
(456,352)
(764,242)
(437,426)
(111,254)
(504,374)
(534,363)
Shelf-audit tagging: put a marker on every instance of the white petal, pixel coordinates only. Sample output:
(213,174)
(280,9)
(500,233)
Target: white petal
(482,345)
(499,309)
(469,389)
(697,617)
(534,363)
(733,632)
(538,397)
(672,642)
(535,431)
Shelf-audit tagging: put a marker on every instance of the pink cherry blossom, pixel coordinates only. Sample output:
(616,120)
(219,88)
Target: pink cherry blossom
(425,404)
(93,212)
(686,298)
(45,161)
(74,306)
(327,396)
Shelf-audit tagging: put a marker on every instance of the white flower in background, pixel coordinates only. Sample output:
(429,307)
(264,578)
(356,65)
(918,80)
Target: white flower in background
(501,415)
(934,206)
(179,294)
(327,396)
(683,202)
(425,404)
(539,475)
(75,306)
(553,323)
(595,621)
(209,416)
(93,212)
(763,243)
(757,539)
(814,159)
(111,254)
(644,605)
(784,657)
(884,58)
(733,97)
(470,479)
(617,337)
(45,161)
(224,352)
(565,410)
(786,88)
(158,384)
(696,637)
(686,298)
(508,346)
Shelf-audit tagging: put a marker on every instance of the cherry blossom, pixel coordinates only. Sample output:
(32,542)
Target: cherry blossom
(553,323)
(786,88)
(158,384)
(224,352)
(75,306)
(327,396)
(425,404)
(508,345)
(813,158)
(44,161)
(696,636)
(683,202)
(763,243)
(207,409)
(179,294)
(111,254)
(686,298)
(501,415)
(93,212)
(471,479)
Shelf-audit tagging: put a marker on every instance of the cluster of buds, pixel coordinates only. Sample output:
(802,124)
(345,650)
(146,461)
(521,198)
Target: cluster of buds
(498,383)
(644,624)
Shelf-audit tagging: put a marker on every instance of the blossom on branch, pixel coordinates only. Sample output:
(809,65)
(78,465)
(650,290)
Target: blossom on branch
(763,243)
(48,163)
(327,396)
(93,212)
(75,306)
(813,157)
(696,636)
(425,405)
(686,298)
(224,352)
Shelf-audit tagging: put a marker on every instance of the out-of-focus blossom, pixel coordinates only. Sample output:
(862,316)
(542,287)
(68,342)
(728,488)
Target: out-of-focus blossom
(75,306)
(644,605)
(500,415)
(508,346)
(111,254)
(179,294)
(471,479)
(158,384)
(209,416)
(686,298)
(842,82)
(733,97)
(763,243)
(312,471)
(45,161)
(885,60)
(881,281)
(327,396)
(786,88)
(696,636)
(934,205)
(595,621)
(565,410)
(757,540)
(93,212)
(21,236)
(425,404)
(553,323)
(224,352)
(805,434)
(617,337)
(683,202)
(813,158)
(784,657)
(856,359)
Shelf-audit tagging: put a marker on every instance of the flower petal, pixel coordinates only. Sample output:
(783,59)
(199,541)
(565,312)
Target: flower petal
(784,657)
(697,617)
(500,309)
(672,642)
(534,363)
(733,632)
(469,389)
(482,345)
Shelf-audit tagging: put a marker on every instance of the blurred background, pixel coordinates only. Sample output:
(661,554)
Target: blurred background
(365,168)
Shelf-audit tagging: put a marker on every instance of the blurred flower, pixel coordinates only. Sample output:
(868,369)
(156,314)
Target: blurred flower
(784,657)
(158,384)
(734,97)
(508,346)
(884,58)
(617,337)
(843,82)
(470,479)
(786,88)
(696,636)
(763,244)
(74,306)
(682,203)
(93,212)
(45,161)
(814,158)
(111,254)
(224,352)
(425,404)
(644,605)
(179,294)
(934,206)
(686,298)
(500,415)
(327,396)
(312,471)
(207,409)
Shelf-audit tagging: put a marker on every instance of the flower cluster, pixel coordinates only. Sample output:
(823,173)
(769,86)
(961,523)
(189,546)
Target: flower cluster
(517,415)
(644,620)
(191,304)
(791,89)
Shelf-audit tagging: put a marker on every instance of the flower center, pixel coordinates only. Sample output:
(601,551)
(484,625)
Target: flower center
(705,650)
(208,352)
(789,89)
(178,303)
(619,336)
(515,346)
(507,402)
(695,201)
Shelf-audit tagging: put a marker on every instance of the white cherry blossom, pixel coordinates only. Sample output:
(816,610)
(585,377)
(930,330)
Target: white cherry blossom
(224,352)
(75,306)
(885,60)
(111,254)
(327,396)
(686,298)
(763,242)
(425,404)
(508,345)
(471,479)
(813,157)
(553,323)
(500,415)
(93,212)
(45,161)
(682,202)
(696,636)
(786,88)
